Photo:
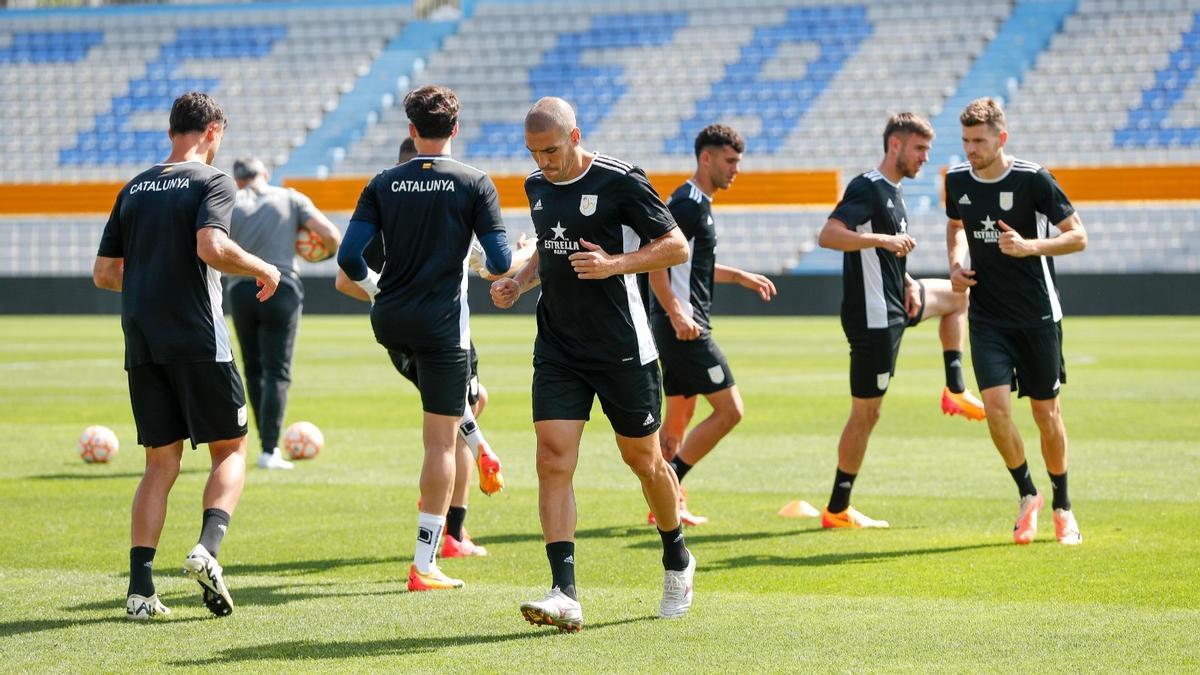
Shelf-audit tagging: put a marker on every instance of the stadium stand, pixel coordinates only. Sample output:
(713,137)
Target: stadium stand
(314,87)
(85,93)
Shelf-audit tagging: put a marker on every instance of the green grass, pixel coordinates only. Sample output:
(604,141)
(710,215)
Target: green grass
(316,557)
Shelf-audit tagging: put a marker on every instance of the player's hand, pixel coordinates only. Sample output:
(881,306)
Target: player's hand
(685,328)
(525,242)
(912,300)
(593,263)
(900,244)
(1012,243)
(759,284)
(267,283)
(962,279)
(505,292)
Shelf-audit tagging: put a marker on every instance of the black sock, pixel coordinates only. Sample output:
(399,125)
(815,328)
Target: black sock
(212,532)
(681,467)
(954,376)
(1023,479)
(454,521)
(1058,484)
(141,574)
(562,566)
(842,484)
(675,553)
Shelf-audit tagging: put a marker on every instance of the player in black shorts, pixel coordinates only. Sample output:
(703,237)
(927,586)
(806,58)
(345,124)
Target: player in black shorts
(591,213)
(1000,209)
(425,211)
(880,300)
(692,363)
(473,448)
(163,250)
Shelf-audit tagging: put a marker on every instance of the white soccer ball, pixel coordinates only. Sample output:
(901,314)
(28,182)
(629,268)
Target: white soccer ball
(310,246)
(303,440)
(97,445)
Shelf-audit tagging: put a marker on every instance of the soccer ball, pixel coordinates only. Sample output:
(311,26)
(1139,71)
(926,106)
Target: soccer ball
(303,440)
(310,246)
(97,445)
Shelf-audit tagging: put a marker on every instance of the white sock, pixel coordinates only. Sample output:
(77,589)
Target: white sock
(429,535)
(470,432)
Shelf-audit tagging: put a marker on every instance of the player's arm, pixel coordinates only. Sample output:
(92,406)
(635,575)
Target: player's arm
(343,284)
(912,296)
(506,290)
(723,274)
(683,324)
(329,233)
(526,247)
(839,236)
(350,257)
(108,273)
(1072,239)
(956,252)
(223,254)
(594,262)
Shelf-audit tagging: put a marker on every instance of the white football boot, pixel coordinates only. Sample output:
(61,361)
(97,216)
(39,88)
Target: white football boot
(677,590)
(556,609)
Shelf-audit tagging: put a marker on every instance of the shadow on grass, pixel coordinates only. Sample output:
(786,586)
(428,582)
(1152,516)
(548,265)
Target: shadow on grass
(102,476)
(255,596)
(11,628)
(841,558)
(400,646)
(613,532)
(299,567)
(699,539)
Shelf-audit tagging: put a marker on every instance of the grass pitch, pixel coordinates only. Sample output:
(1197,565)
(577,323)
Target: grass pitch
(316,557)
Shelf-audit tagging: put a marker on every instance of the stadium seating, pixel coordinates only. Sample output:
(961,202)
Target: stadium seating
(83,96)
(89,93)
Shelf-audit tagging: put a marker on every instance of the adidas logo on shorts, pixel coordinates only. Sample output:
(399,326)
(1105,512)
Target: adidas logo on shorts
(649,420)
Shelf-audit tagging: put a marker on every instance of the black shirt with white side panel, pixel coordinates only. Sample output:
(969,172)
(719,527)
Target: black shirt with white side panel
(1012,292)
(873,278)
(170,299)
(427,209)
(594,323)
(692,281)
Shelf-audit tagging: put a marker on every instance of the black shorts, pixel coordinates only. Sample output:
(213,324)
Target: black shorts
(631,397)
(405,362)
(203,402)
(440,373)
(1029,360)
(691,367)
(873,354)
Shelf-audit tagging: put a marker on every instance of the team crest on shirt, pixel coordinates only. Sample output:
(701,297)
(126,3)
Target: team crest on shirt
(587,204)
(1006,201)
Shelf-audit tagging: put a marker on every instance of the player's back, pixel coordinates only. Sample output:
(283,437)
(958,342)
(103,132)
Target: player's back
(426,209)
(265,221)
(170,299)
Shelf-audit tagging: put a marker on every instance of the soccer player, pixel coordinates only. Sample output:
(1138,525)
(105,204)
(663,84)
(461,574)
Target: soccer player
(880,299)
(472,447)
(163,249)
(692,363)
(999,209)
(425,211)
(265,220)
(591,212)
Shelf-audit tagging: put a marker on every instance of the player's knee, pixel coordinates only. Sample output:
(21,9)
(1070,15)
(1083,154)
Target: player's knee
(163,465)
(643,464)
(552,463)
(1046,414)
(865,416)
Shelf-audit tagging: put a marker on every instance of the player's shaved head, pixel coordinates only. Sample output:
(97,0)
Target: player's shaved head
(550,114)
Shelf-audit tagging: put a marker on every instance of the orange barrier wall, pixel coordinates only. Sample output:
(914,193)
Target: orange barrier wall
(1108,184)
(783,187)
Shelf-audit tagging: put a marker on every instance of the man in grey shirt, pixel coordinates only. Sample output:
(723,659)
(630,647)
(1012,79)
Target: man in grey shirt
(265,220)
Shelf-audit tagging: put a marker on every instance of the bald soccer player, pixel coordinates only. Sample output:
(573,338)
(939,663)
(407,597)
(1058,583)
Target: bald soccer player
(591,213)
